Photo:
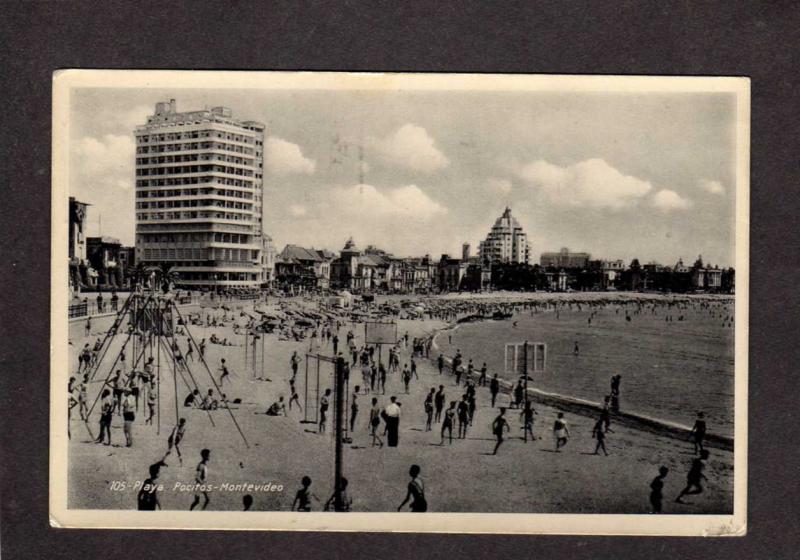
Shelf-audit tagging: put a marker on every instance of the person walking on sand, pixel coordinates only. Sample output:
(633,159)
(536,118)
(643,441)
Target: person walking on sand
(200,477)
(499,425)
(494,389)
(656,489)
(406,377)
(463,417)
(391,415)
(416,492)
(440,363)
(429,409)
(323,411)
(482,378)
(447,424)
(223,372)
(294,398)
(354,408)
(600,436)
(174,440)
(527,420)
(374,422)
(560,432)
(87,329)
(698,433)
(695,477)
(438,401)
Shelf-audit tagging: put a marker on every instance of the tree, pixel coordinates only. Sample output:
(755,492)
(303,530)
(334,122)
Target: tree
(169,276)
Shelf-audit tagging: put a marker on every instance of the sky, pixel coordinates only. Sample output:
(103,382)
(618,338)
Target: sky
(619,175)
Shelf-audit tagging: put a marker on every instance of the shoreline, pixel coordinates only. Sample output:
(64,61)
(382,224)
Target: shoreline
(584,407)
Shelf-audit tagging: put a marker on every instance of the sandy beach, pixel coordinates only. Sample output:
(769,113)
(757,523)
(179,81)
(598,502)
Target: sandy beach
(524,477)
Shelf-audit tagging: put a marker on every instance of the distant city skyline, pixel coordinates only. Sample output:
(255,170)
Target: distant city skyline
(620,176)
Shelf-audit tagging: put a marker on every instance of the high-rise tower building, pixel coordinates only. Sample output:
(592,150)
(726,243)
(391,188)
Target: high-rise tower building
(506,242)
(199,196)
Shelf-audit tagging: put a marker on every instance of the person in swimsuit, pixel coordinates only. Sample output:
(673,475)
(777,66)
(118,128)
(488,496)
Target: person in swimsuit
(600,436)
(106,413)
(147,498)
(277,408)
(201,475)
(560,431)
(656,488)
(323,411)
(374,422)
(447,424)
(698,433)
(175,439)
(499,425)
(438,401)
(429,409)
(527,420)
(224,372)
(302,499)
(695,477)
(354,408)
(494,388)
(295,398)
(416,492)
(347,501)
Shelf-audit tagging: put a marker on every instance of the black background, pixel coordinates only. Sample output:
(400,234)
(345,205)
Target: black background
(758,40)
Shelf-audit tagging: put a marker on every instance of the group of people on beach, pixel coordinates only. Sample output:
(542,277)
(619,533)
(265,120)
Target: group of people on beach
(123,392)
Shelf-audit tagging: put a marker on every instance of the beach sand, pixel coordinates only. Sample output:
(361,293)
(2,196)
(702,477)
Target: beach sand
(462,477)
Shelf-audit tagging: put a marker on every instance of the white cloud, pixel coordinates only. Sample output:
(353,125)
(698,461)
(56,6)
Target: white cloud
(670,200)
(285,158)
(714,187)
(366,200)
(412,147)
(297,210)
(101,174)
(499,186)
(592,183)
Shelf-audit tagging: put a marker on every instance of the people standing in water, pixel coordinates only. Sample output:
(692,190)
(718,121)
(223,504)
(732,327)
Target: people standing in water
(416,492)
(499,426)
(656,488)
(200,477)
(695,477)
(698,433)
(374,422)
(560,432)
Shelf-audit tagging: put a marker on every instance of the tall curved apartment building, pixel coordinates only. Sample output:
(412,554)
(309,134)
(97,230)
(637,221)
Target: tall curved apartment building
(505,243)
(199,196)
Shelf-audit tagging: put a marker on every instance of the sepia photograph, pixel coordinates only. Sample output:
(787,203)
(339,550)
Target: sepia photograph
(513,303)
